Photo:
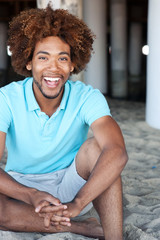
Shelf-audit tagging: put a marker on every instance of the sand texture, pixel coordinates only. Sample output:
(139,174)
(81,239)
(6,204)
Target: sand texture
(141,178)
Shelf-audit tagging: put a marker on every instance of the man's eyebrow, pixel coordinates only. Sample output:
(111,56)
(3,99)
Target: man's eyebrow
(47,53)
(42,52)
(64,53)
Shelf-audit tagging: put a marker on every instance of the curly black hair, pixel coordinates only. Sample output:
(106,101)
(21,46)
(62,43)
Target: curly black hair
(32,25)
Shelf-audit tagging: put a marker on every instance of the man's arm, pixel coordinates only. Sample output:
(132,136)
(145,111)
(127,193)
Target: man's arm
(108,167)
(13,189)
(111,161)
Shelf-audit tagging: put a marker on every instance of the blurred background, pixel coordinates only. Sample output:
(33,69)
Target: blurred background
(122,24)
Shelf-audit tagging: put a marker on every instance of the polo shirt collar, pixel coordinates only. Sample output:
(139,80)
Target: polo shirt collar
(65,96)
(30,98)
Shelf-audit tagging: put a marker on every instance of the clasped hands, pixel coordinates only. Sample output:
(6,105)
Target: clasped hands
(53,211)
(54,215)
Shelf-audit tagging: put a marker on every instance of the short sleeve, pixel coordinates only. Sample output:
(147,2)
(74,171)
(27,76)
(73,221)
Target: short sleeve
(94,107)
(5,113)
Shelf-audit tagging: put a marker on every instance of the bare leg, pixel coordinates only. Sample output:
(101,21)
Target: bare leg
(109,208)
(109,203)
(20,217)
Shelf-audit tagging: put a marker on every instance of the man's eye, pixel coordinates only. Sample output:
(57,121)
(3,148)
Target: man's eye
(64,59)
(42,58)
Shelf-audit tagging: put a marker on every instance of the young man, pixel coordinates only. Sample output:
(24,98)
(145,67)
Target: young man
(53,171)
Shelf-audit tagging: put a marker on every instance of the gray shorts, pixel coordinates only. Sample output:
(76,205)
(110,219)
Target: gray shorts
(63,184)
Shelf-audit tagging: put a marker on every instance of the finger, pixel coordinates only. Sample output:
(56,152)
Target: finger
(66,213)
(51,208)
(57,213)
(68,224)
(54,201)
(54,223)
(41,205)
(56,218)
(47,220)
(50,201)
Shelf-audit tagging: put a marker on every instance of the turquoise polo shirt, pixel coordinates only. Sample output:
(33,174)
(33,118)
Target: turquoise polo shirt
(38,144)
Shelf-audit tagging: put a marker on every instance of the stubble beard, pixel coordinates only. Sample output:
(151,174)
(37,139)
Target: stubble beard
(43,93)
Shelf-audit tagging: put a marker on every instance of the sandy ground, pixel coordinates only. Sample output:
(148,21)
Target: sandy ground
(141,178)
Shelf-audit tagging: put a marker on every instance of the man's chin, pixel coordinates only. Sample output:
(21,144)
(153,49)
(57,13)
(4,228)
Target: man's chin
(50,96)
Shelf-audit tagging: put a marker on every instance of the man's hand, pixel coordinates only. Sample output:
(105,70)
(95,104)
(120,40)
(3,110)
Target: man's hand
(39,199)
(61,217)
(56,219)
(56,212)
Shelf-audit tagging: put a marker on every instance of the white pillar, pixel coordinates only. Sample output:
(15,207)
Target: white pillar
(44,3)
(3,46)
(118,48)
(153,66)
(135,60)
(94,13)
(75,8)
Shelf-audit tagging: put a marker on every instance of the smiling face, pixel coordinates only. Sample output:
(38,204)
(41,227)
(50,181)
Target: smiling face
(51,67)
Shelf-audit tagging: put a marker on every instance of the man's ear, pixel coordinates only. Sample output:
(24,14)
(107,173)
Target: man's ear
(72,68)
(29,66)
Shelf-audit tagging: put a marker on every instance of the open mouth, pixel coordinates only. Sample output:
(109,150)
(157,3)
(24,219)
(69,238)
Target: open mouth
(52,81)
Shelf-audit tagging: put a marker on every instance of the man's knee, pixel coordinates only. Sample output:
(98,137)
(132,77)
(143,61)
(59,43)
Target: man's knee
(87,157)
(90,149)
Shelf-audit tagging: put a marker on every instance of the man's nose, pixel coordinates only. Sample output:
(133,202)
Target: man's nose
(53,64)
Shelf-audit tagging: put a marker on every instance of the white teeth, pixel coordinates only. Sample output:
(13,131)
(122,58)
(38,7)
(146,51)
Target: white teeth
(51,79)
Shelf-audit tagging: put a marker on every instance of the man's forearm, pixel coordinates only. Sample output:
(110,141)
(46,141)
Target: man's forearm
(108,168)
(13,189)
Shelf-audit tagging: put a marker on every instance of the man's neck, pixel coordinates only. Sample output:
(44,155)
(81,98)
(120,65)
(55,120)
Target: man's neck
(47,105)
